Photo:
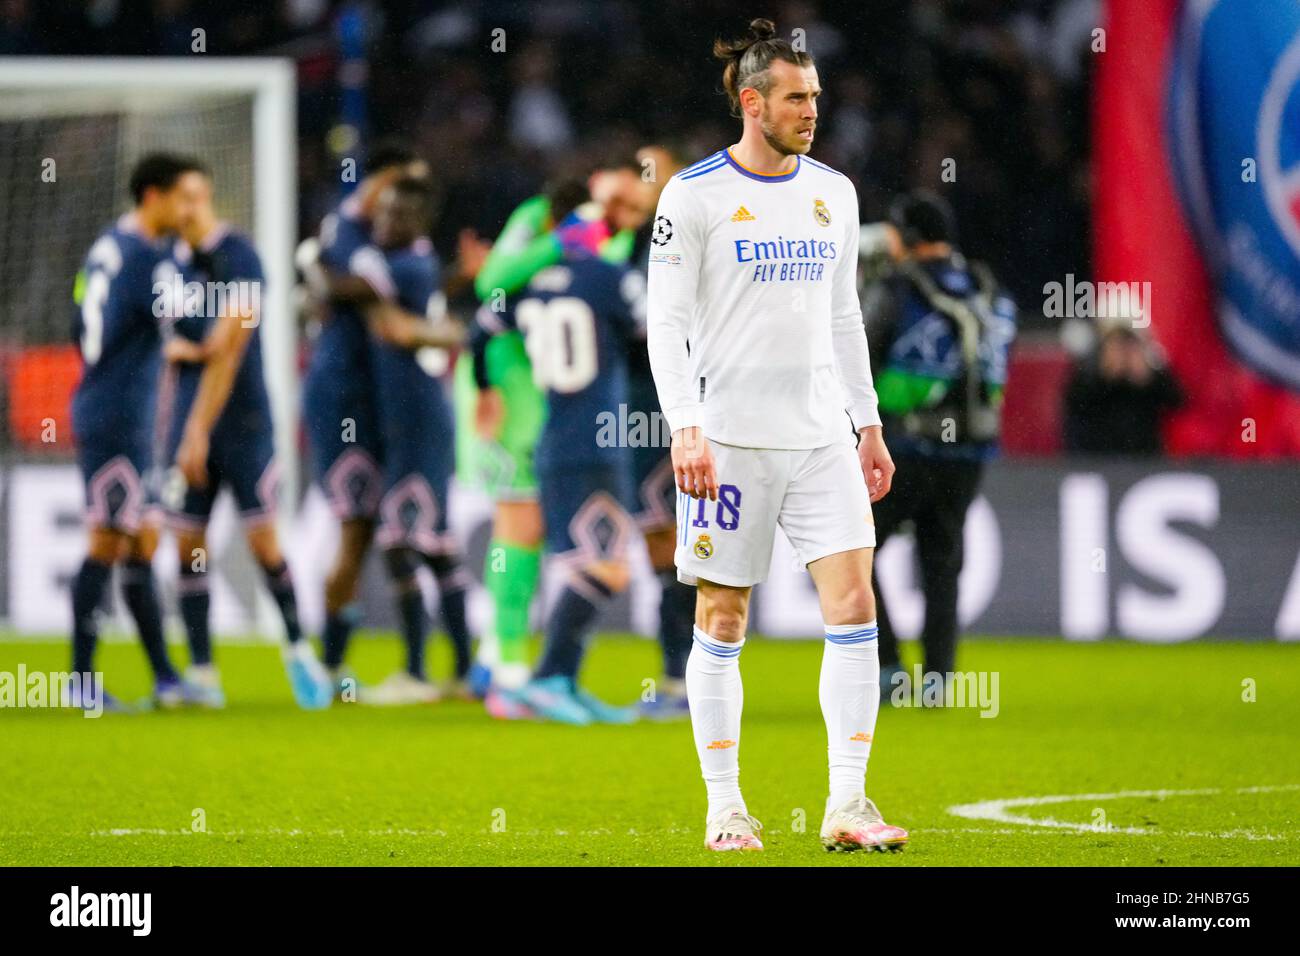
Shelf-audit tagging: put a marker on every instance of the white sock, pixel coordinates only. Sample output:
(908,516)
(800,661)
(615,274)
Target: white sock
(716,697)
(850,697)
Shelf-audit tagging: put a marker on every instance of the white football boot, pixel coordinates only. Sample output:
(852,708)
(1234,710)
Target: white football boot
(858,825)
(399,689)
(206,681)
(733,829)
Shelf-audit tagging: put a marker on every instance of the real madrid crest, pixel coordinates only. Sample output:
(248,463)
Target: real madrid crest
(703,547)
(821,213)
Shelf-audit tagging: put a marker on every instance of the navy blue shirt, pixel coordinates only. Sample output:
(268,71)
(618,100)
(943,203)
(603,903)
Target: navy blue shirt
(117,328)
(413,407)
(580,320)
(341,346)
(229,257)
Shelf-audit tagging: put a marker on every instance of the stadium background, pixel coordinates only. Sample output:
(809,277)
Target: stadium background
(1069,166)
(1065,167)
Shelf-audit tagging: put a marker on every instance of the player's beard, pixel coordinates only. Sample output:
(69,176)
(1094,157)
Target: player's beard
(786,147)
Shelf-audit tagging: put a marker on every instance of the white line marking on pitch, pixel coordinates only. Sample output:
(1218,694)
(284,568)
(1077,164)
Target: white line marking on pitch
(998,811)
(336,831)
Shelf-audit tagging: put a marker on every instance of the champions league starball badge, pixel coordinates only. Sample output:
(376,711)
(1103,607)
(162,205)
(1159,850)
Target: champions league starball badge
(663,230)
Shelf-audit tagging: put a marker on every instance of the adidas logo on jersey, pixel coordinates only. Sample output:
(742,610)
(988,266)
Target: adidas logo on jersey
(742,215)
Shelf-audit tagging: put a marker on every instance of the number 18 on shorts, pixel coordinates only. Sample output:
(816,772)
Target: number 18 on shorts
(817,496)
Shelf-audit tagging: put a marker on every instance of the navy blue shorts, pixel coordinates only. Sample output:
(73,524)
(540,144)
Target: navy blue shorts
(413,511)
(654,502)
(241,457)
(655,489)
(117,481)
(585,511)
(346,447)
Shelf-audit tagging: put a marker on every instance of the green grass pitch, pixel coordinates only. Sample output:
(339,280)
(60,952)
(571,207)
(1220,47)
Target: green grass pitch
(1118,732)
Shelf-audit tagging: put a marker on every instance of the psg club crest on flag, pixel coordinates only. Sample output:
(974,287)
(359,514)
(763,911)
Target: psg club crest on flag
(1234,121)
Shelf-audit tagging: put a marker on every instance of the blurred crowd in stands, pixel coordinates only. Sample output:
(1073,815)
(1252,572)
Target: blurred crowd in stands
(997,87)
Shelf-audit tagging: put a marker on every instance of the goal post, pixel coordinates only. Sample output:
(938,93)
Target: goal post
(131,86)
(70,131)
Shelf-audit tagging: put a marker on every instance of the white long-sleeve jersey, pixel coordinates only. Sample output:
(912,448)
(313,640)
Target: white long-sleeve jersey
(754,326)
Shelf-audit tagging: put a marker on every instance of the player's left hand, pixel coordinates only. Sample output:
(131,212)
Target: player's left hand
(877,465)
(192,458)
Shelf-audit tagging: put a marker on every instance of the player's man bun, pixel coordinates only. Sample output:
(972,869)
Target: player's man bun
(748,59)
(160,171)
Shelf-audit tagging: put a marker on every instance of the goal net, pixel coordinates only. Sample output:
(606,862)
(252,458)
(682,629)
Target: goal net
(70,133)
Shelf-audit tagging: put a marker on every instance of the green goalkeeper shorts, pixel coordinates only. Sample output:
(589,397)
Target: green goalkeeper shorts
(503,468)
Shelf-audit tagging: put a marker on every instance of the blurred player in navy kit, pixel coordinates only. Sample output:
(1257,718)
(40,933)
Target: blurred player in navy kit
(117,329)
(580,319)
(338,393)
(221,435)
(652,476)
(417,433)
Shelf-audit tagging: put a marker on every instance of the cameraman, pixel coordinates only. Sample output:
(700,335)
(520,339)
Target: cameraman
(939,330)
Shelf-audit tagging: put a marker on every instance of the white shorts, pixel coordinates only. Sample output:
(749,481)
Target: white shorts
(817,496)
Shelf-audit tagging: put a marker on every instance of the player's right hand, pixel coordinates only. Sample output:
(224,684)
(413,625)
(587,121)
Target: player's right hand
(489,413)
(877,464)
(693,465)
(192,457)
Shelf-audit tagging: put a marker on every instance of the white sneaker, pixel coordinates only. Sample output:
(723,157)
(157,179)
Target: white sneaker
(732,830)
(206,681)
(511,676)
(399,689)
(858,825)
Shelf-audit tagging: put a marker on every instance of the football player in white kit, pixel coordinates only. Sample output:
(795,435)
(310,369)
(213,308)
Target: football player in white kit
(757,348)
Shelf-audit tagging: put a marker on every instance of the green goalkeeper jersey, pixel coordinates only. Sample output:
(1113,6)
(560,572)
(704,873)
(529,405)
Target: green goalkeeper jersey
(504,467)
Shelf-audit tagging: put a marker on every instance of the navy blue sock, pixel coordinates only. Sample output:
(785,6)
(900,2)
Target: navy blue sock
(194,600)
(88,589)
(142,600)
(676,623)
(415,626)
(402,563)
(338,629)
(452,582)
(280,583)
(571,622)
